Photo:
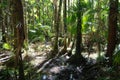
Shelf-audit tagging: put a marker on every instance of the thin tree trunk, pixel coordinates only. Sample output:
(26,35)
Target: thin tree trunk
(57,23)
(38,10)
(55,45)
(69,33)
(25,24)
(43,10)
(64,50)
(1,16)
(65,25)
(3,32)
(2,24)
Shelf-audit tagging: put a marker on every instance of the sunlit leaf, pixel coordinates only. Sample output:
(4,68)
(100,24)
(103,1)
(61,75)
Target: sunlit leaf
(6,46)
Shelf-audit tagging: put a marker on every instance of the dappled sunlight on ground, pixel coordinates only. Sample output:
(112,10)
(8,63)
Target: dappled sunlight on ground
(37,61)
(38,51)
(57,68)
(93,55)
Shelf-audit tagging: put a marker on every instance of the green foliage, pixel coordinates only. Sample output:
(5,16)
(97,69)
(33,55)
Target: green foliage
(103,78)
(38,32)
(72,23)
(116,58)
(7,46)
(109,73)
(72,19)
(3,4)
(40,15)
(7,74)
(100,58)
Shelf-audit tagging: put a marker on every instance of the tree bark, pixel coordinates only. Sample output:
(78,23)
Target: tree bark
(56,24)
(65,25)
(2,24)
(113,11)
(77,58)
(79,33)
(19,36)
(25,24)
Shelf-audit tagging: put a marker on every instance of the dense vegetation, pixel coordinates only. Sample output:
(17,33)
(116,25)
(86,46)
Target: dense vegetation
(59,40)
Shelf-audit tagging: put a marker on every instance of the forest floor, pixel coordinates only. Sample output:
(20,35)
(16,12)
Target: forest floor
(57,69)
(38,66)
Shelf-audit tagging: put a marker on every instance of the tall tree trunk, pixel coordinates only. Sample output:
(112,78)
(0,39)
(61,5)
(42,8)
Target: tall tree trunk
(98,20)
(25,24)
(18,23)
(3,31)
(55,45)
(0,12)
(79,33)
(65,24)
(77,58)
(43,13)
(38,10)
(2,24)
(68,3)
(113,11)
(56,24)
(68,14)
